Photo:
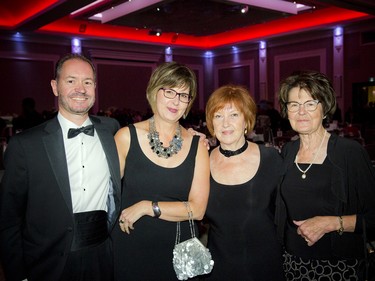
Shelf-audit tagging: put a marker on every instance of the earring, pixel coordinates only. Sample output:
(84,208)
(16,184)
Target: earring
(245,131)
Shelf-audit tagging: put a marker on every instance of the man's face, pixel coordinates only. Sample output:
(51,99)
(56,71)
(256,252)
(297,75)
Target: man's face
(75,88)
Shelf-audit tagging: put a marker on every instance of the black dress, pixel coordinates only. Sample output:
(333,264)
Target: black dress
(146,253)
(307,198)
(242,234)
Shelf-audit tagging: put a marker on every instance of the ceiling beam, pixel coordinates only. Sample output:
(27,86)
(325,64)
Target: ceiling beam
(363,6)
(276,5)
(56,12)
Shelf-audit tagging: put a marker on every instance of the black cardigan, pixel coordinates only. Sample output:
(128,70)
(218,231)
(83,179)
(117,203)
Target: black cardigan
(352,182)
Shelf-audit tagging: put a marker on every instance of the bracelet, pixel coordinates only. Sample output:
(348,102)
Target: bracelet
(340,231)
(156,209)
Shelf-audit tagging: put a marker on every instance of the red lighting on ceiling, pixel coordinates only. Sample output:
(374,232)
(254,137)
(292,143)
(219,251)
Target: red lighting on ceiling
(316,18)
(14,13)
(327,16)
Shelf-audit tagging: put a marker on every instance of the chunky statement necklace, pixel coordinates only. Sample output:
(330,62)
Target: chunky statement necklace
(157,147)
(229,153)
(316,154)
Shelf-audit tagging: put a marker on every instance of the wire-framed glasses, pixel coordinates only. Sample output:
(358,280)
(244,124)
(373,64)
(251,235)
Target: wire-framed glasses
(171,94)
(310,105)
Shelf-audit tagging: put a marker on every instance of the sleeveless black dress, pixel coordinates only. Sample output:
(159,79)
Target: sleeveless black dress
(242,235)
(147,252)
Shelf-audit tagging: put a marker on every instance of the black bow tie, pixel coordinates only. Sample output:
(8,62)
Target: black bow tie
(88,130)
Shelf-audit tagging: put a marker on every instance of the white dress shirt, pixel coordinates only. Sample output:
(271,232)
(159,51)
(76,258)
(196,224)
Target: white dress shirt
(88,170)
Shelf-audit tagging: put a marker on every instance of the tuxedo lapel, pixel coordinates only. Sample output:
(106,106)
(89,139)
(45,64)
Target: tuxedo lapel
(54,145)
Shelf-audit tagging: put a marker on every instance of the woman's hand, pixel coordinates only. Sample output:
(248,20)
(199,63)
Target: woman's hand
(130,215)
(202,137)
(313,229)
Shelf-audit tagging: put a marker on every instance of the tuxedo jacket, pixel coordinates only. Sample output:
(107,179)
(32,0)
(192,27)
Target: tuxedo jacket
(36,215)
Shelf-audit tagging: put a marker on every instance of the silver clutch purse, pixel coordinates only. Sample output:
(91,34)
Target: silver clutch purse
(191,257)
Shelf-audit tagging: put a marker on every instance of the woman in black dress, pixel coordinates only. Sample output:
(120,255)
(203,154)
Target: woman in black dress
(327,194)
(157,179)
(244,177)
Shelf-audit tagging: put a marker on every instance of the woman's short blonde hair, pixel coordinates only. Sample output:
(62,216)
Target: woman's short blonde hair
(170,75)
(239,96)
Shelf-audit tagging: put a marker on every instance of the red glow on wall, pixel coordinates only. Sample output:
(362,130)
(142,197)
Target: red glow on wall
(295,23)
(15,12)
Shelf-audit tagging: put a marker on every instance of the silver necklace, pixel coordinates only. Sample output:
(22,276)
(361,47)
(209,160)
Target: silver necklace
(316,154)
(157,147)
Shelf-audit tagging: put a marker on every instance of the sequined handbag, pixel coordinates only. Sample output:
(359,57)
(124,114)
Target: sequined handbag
(190,258)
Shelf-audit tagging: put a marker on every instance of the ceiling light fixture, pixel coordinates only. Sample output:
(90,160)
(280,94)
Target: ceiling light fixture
(76,46)
(244,9)
(155,32)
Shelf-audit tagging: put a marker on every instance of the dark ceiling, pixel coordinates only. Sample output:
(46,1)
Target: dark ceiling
(198,23)
(197,17)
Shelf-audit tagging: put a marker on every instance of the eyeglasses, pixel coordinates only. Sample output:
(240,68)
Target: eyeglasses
(171,94)
(310,105)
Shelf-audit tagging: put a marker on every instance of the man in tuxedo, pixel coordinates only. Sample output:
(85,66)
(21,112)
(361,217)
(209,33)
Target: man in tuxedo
(60,192)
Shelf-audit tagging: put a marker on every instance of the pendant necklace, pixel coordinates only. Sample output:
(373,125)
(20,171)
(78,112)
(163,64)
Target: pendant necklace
(229,153)
(157,147)
(316,154)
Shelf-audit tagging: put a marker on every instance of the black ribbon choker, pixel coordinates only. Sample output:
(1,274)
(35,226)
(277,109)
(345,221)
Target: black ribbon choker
(229,153)
(88,130)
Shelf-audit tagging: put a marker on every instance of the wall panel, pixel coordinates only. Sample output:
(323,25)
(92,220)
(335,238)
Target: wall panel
(288,63)
(239,74)
(26,76)
(122,85)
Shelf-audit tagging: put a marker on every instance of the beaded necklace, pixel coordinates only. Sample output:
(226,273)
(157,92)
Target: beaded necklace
(157,147)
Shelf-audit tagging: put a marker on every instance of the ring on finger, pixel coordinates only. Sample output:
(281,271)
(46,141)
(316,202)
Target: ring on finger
(121,221)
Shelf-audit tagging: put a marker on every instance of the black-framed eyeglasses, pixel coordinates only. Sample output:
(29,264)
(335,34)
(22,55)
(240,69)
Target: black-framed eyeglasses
(171,94)
(310,105)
